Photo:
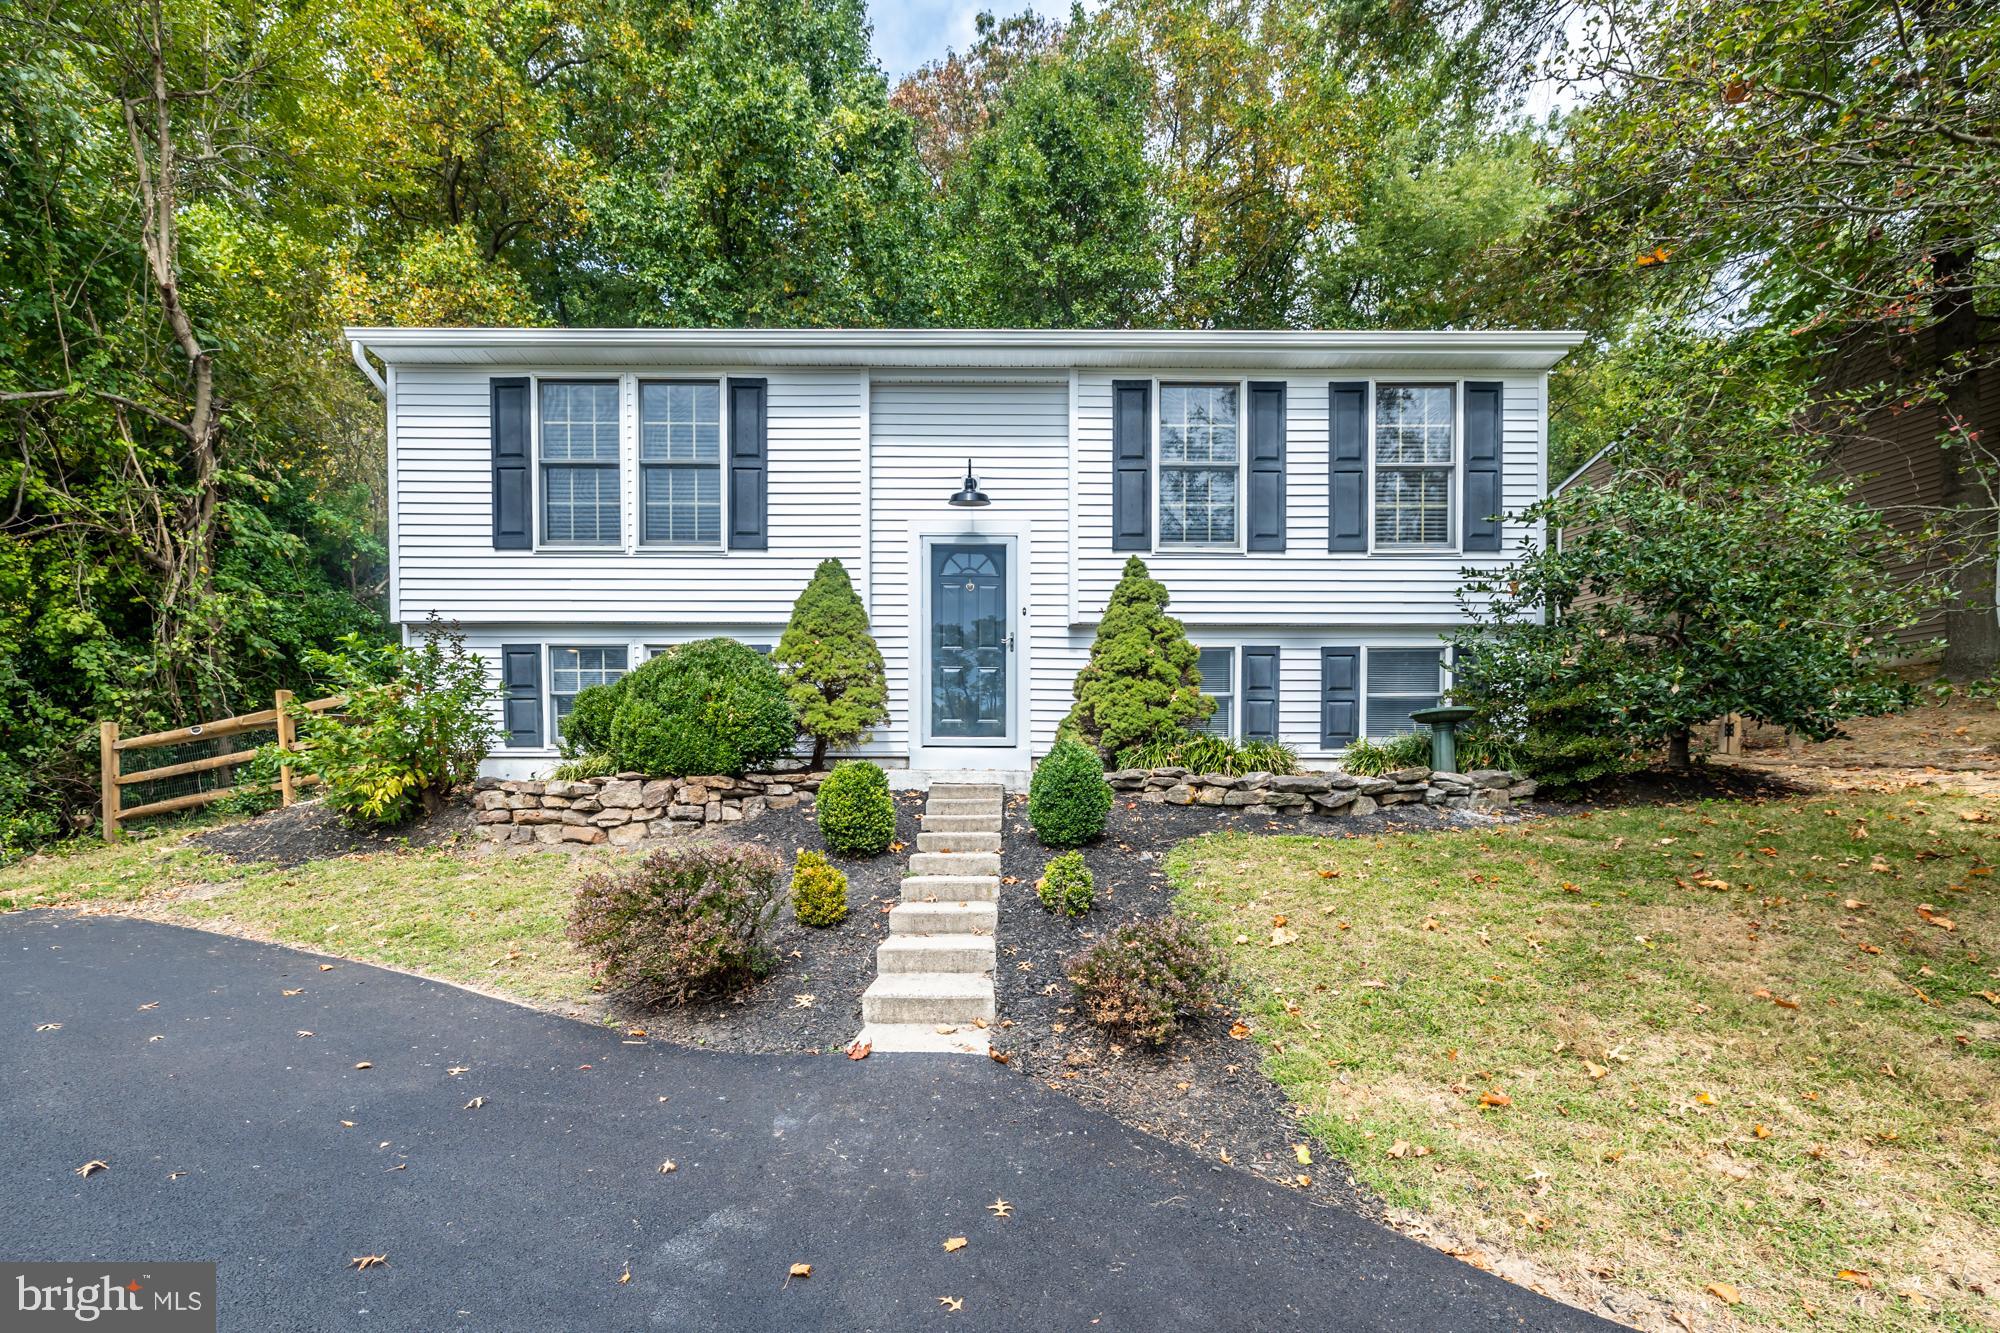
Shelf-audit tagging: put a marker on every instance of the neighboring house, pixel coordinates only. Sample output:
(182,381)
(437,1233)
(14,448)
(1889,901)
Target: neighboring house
(577,500)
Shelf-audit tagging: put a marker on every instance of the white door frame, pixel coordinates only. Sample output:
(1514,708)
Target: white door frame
(1012,751)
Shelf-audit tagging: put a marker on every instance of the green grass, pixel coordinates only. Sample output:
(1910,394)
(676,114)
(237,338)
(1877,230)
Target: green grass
(493,921)
(1776,1102)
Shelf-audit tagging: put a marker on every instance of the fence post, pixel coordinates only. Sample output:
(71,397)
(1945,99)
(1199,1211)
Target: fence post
(107,776)
(285,730)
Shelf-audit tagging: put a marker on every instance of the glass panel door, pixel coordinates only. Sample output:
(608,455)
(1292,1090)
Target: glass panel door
(969,642)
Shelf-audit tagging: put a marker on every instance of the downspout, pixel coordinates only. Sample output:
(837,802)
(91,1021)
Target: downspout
(361,359)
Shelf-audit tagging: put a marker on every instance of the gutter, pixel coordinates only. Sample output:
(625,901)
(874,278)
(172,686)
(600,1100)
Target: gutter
(360,354)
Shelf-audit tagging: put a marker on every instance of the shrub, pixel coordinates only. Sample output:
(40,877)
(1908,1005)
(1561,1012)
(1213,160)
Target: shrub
(683,924)
(1066,887)
(857,816)
(1211,754)
(1141,683)
(1369,759)
(713,706)
(1068,798)
(592,765)
(416,724)
(819,891)
(1142,982)
(587,729)
(832,669)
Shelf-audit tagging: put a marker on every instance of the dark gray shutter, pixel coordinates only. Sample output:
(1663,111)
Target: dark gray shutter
(1339,697)
(1260,694)
(521,695)
(1347,467)
(1483,501)
(1131,465)
(749,465)
(512,516)
(1265,523)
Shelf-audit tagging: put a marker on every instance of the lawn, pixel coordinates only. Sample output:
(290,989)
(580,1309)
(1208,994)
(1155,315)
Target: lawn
(1733,1063)
(490,921)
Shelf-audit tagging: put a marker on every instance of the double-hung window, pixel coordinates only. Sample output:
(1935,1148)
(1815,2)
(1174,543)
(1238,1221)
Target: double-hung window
(579,428)
(1400,682)
(1218,682)
(680,464)
(1415,454)
(1200,464)
(573,669)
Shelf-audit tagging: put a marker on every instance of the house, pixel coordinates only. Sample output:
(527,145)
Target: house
(580,499)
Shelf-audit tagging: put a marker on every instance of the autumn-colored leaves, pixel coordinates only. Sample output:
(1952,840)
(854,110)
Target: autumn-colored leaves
(1001,1210)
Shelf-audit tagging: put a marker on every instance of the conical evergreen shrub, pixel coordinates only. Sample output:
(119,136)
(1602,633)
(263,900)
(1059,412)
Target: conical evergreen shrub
(833,671)
(1142,682)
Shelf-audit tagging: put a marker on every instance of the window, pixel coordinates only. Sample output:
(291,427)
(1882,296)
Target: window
(1401,681)
(1199,459)
(680,464)
(1218,682)
(572,669)
(580,463)
(1414,456)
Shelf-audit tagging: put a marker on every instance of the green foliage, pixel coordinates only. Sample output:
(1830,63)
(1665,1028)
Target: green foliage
(1202,753)
(1144,981)
(416,723)
(1066,887)
(596,765)
(255,785)
(712,706)
(1068,798)
(819,891)
(856,814)
(683,925)
(587,729)
(833,671)
(1368,758)
(1141,683)
(1717,571)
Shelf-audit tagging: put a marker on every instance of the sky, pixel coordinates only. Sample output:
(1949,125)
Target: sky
(911,32)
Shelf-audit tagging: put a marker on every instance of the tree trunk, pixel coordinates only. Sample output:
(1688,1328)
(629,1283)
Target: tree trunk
(819,754)
(1972,541)
(1677,749)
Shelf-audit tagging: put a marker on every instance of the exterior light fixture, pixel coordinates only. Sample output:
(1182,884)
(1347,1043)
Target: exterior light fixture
(969,495)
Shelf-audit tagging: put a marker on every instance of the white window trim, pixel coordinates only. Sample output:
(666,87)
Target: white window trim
(1453,523)
(1364,731)
(1242,387)
(638,464)
(550,647)
(623,544)
(1235,651)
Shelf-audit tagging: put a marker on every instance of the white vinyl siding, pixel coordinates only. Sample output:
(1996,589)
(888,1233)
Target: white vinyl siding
(680,463)
(579,431)
(1398,682)
(1218,681)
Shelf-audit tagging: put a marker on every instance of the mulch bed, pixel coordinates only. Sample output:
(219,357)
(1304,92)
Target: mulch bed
(1205,1090)
(812,1002)
(311,831)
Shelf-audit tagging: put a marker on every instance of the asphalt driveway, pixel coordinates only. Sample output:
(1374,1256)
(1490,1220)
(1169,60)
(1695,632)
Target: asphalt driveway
(240,1127)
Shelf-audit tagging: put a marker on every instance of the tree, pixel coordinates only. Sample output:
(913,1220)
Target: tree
(1717,571)
(833,671)
(950,101)
(1142,681)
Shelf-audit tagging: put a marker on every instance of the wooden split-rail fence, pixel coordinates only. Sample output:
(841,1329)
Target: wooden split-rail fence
(113,779)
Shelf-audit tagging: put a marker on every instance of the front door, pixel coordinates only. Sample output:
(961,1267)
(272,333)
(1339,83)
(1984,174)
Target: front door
(971,641)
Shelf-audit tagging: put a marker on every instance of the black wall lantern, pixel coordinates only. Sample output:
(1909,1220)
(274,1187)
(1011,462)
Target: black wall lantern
(969,495)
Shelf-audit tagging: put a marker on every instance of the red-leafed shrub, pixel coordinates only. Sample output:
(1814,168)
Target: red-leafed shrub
(682,925)
(1144,981)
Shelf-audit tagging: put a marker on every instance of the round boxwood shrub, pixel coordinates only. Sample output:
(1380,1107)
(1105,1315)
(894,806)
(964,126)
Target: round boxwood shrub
(857,816)
(1066,887)
(1068,798)
(819,891)
(587,729)
(683,924)
(1144,981)
(713,706)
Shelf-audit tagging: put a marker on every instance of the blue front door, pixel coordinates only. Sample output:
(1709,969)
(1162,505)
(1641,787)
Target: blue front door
(970,642)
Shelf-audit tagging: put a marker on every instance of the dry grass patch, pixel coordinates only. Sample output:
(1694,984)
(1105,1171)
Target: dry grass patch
(1736,1044)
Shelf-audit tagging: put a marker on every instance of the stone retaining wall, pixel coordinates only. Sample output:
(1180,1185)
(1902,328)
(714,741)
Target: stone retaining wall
(628,808)
(1329,794)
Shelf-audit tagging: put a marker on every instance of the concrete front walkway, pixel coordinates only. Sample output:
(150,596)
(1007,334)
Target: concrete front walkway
(239,1128)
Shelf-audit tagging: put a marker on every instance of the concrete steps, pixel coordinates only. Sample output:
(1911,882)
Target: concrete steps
(933,989)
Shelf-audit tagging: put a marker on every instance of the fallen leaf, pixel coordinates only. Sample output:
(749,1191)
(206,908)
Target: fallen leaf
(474,1104)
(48,1027)
(1704,1099)
(1594,1070)
(1761,1131)
(1853,904)
(1000,1208)
(347,1124)
(144,1007)
(999,1057)
(952,1304)
(800,1270)
(1495,1099)
(625,1276)
(91,1168)
(858,1049)
(1303,1153)
(667,1167)
(1931,915)
(326,967)
(1399,1149)
(294,992)
(1281,936)
(1725,1293)
(305,1032)
(456,1070)
(1857,1277)
(1239,1030)
(953,1244)
(363,1262)
(364,1064)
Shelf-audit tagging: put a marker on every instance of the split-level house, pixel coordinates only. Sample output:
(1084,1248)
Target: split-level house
(577,500)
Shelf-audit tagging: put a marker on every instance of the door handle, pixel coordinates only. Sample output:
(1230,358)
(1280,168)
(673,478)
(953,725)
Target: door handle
(1010,641)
